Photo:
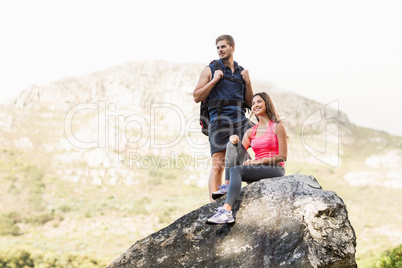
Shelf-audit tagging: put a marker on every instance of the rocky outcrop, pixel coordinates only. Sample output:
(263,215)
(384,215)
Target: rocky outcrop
(280,222)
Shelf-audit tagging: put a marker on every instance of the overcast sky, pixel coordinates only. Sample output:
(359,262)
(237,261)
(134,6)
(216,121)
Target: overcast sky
(350,51)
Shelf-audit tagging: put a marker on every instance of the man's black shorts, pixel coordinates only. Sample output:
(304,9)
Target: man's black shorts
(219,133)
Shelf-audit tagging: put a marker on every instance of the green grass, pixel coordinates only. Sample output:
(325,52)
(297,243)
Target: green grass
(47,215)
(67,209)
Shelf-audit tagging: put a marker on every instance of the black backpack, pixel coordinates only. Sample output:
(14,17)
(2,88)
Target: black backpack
(210,104)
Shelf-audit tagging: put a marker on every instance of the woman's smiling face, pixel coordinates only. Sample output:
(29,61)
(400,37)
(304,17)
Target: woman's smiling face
(258,106)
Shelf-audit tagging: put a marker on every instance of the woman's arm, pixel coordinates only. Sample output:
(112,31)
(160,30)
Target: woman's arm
(282,141)
(247,139)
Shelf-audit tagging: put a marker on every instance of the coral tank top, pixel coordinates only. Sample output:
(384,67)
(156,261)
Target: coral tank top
(267,145)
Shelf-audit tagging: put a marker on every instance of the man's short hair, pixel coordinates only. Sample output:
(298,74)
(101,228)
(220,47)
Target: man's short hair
(226,37)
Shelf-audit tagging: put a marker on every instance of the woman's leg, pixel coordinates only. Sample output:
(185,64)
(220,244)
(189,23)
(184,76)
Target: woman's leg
(249,173)
(235,155)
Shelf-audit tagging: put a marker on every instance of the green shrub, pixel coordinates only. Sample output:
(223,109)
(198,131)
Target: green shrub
(17,259)
(8,224)
(20,258)
(39,218)
(391,259)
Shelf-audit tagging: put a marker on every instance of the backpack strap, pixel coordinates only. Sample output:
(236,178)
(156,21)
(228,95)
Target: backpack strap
(214,103)
(218,104)
(218,66)
(244,85)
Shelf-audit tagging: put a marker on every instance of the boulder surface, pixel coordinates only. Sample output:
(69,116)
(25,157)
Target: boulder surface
(280,222)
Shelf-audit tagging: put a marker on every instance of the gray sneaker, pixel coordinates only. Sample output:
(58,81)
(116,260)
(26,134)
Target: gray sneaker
(222,216)
(223,189)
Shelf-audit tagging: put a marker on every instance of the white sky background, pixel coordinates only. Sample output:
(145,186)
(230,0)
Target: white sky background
(350,51)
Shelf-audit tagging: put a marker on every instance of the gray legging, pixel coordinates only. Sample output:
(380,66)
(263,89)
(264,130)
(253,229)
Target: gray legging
(235,172)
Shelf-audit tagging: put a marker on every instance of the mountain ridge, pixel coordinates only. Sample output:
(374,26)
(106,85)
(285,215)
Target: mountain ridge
(135,88)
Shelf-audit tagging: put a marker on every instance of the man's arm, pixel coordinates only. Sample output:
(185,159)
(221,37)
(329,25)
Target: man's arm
(248,88)
(205,84)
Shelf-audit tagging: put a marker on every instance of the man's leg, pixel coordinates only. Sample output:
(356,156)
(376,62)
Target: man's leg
(215,177)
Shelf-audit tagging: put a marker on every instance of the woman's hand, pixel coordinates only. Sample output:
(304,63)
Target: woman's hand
(250,162)
(234,139)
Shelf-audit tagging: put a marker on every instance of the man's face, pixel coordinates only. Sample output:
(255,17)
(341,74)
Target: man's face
(224,50)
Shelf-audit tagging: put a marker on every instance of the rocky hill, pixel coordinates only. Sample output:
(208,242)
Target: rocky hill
(99,154)
(147,107)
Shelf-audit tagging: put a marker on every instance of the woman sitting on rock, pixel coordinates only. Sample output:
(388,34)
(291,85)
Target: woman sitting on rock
(268,140)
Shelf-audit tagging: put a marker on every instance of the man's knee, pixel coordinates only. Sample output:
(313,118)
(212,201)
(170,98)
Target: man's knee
(218,162)
(218,169)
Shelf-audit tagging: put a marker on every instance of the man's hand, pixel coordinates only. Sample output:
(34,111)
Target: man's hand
(234,139)
(218,74)
(246,76)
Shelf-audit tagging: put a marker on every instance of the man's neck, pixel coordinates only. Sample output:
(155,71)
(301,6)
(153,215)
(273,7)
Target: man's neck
(229,63)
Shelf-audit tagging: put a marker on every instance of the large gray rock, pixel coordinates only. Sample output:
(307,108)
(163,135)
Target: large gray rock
(280,222)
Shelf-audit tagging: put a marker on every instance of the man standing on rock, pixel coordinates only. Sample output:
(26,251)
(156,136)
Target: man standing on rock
(226,87)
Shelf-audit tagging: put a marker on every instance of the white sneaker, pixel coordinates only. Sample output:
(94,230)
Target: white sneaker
(223,189)
(222,216)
